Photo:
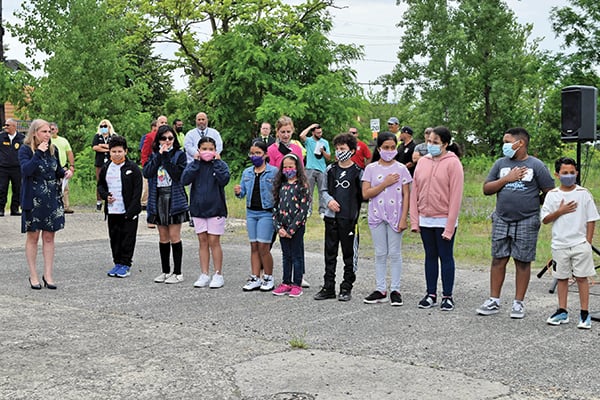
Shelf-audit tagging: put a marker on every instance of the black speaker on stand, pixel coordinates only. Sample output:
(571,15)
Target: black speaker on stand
(578,117)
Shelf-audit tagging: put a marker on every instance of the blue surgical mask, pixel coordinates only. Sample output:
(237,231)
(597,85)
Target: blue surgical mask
(434,149)
(568,179)
(508,151)
(103,130)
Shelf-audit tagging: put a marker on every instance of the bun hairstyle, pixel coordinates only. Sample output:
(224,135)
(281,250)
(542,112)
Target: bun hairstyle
(446,137)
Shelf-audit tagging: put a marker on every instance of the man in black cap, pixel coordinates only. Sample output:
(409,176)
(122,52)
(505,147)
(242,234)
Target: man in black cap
(406,148)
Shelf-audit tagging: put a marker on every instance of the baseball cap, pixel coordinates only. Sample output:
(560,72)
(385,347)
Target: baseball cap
(393,120)
(407,129)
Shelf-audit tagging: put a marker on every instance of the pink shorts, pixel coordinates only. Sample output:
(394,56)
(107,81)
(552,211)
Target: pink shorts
(214,225)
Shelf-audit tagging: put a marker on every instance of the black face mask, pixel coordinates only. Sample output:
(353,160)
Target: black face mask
(179,129)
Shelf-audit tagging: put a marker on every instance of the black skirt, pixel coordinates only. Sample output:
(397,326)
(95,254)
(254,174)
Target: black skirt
(163,207)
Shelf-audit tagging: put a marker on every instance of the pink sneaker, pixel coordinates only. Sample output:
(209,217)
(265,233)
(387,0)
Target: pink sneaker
(282,289)
(296,291)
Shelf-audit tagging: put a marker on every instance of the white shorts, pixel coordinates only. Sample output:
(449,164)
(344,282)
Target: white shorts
(577,261)
(213,225)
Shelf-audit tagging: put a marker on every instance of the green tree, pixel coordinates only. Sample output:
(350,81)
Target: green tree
(467,63)
(98,64)
(256,60)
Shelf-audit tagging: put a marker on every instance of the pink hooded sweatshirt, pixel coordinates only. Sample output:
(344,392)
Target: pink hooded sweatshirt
(437,190)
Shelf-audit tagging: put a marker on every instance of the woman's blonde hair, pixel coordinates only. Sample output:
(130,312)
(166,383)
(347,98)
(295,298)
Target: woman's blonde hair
(111,130)
(31,139)
(283,121)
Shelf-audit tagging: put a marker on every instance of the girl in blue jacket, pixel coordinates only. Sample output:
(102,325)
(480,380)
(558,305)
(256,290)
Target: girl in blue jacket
(257,186)
(167,201)
(208,175)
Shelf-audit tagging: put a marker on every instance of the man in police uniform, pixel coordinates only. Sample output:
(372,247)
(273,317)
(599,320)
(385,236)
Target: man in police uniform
(10,169)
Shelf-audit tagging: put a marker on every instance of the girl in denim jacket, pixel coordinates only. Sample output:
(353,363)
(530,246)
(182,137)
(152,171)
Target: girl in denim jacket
(257,186)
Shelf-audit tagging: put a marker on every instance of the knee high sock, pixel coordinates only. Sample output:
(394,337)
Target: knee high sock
(165,257)
(177,256)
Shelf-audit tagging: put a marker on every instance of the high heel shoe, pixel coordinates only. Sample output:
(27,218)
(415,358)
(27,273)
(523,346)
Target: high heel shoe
(35,287)
(48,285)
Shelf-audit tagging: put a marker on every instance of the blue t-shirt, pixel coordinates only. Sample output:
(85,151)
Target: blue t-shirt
(520,199)
(313,161)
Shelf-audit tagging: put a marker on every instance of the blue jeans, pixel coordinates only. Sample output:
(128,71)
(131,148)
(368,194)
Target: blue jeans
(260,226)
(436,249)
(292,250)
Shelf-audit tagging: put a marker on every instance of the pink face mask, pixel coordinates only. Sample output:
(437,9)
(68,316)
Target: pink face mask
(207,155)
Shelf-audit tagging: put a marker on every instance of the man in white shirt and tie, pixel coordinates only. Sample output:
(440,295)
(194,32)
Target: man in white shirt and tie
(190,142)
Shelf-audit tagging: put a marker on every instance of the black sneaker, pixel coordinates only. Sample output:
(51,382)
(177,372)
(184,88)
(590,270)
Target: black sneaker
(428,302)
(375,297)
(324,294)
(396,298)
(345,295)
(447,304)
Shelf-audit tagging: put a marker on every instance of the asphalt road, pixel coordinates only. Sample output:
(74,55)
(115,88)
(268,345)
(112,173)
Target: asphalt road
(106,338)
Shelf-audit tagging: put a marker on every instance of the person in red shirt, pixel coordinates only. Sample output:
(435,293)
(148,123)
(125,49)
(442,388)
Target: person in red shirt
(147,146)
(362,155)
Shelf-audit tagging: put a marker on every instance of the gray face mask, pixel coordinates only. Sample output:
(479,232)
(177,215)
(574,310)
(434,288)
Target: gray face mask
(568,179)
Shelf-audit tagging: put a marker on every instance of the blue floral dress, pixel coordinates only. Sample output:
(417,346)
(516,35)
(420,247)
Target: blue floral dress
(41,176)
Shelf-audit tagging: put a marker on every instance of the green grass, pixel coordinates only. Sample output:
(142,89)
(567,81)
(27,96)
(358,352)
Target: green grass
(472,248)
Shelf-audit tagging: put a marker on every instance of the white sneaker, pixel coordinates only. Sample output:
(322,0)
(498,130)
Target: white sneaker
(267,284)
(305,283)
(174,278)
(202,281)
(161,278)
(217,281)
(254,283)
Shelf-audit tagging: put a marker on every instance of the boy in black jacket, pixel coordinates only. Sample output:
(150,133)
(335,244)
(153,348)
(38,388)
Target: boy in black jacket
(120,185)
(343,196)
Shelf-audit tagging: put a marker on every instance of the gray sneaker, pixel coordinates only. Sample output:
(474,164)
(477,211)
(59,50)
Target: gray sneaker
(518,310)
(489,307)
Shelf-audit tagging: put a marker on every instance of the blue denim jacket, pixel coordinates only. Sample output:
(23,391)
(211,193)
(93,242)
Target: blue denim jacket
(266,186)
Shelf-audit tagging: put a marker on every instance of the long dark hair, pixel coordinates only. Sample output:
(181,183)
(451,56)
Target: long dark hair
(159,133)
(382,137)
(280,179)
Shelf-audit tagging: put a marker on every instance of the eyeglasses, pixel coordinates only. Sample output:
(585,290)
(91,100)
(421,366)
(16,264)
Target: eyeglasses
(353,132)
(167,138)
(256,154)
(103,126)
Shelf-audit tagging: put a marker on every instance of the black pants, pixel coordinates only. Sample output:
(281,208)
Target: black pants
(342,232)
(122,233)
(10,175)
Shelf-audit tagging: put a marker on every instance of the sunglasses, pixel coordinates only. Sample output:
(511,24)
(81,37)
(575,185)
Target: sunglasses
(103,126)
(167,138)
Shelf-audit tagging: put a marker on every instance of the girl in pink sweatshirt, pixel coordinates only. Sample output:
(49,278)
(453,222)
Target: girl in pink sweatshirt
(434,206)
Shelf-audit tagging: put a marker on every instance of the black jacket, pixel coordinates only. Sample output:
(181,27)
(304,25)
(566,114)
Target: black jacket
(131,181)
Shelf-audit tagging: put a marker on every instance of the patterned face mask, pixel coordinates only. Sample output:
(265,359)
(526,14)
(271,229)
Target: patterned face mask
(343,155)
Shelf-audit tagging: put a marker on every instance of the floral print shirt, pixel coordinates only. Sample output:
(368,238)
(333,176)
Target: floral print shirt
(292,211)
